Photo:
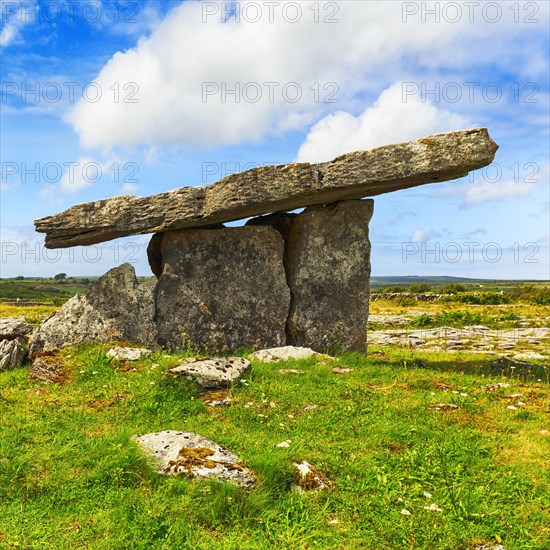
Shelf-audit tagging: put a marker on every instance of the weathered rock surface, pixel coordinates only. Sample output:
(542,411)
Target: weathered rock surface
(212,373)
(193,455)
(308,477)
(12,353)
(268,189)
(128,354)
(328,270)
(284,353)
(222,289)
(14,327)
(115,307)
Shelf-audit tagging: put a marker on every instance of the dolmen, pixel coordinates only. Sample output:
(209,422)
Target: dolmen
(282,278)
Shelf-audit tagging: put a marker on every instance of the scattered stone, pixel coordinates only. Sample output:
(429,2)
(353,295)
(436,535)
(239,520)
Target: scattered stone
(444,407)
(284,444)
(212,373)
(128,354)
(514,395)
(311,407)
(12,353)
(328,269)
(497,386)
(285,353)
(222,289)
(518,367)
(268,189)
(190,454)
(292,371)
(489,546)
(342,370)
(48,370)
(531,355)
(217,398)
(116,307)
(309,478)
(14,327)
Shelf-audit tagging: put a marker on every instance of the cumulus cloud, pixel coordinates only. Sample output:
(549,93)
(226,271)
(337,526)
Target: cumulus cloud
(495,184)
(181,69)
(389,120)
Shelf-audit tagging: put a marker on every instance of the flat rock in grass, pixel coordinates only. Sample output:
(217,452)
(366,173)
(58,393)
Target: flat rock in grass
(212,373)
(518,367)
(308,477)
(187,453)
(12,353)
(444,407)
(14,327)
(284,353)
(342,370)
(292,371)
(128,354)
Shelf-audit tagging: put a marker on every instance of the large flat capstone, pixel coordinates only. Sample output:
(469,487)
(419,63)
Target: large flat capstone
(268,189)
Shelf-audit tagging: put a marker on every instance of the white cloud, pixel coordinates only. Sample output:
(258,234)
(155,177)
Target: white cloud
(369,47)
(389,120)
(492,186)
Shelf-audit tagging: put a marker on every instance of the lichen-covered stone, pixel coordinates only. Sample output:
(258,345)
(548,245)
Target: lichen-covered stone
(222,289)
(128,354)
(12,353)
(212,373)
(328,269)
(284,353)
(116,307)
(268,189)
(14,327)
(187,453)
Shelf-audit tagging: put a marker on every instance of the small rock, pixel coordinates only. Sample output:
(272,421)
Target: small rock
(128,354)
(497,386)
(444,407)
(311,407)
(284,444)
(212,373)
(342,370)
(190,454)
(291,371)
(285,353)
(308,477)
(14,327)
(12,353)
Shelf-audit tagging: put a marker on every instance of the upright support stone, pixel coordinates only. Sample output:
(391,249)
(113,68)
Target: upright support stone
(222,289)
(328,269)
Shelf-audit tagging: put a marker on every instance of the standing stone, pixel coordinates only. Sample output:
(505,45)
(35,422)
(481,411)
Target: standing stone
(12,353)
(222,289)
(116,307)
(328,269)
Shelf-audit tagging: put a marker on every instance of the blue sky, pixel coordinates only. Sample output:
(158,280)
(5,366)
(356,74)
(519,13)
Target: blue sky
(101,98)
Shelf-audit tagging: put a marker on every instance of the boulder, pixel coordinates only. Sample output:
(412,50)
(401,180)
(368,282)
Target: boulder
(14,327)
(284,353)
(268,189)
(116,307)
(12,353)
(222,289)
(128,354)
(189,454)
(328,270)
(212,373)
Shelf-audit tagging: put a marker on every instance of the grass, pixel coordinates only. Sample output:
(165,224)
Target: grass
(71,476)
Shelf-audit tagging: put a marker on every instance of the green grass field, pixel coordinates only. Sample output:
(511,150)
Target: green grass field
(405,475)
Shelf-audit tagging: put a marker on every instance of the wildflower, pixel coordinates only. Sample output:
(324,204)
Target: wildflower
(433,507)
(284,444)
(511,407)
(405,512)
(464,394)
(333,522)
(427,495)
(94,372)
